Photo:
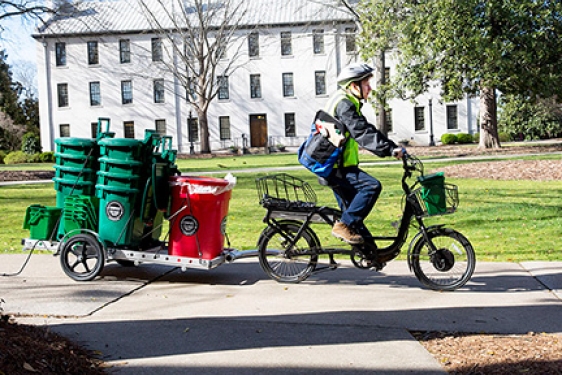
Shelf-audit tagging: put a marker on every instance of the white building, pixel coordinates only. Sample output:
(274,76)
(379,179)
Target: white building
(102,60)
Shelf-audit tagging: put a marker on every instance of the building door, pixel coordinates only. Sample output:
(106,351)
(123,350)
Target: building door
(258,130)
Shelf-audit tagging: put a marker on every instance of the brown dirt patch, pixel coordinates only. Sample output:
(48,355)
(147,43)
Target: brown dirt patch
(28,350)
(478,354)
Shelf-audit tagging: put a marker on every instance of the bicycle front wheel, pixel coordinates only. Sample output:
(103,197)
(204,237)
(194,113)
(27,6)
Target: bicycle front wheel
(449,266)
(284,261)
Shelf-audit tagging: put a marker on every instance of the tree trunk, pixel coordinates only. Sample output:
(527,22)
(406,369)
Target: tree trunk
(488,119)
(204,129)
(381,102)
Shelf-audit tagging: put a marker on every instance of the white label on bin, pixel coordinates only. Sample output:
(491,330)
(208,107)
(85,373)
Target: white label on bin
(189,225)
(114,210)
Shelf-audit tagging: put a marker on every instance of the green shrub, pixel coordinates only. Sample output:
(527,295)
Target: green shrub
(30,144)
(2,156)
(476,137)
(47,157)
(448,139)
(504,137)
(464,138)
(16,157)
(35,158)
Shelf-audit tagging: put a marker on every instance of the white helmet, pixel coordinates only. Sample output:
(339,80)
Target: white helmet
(354,73)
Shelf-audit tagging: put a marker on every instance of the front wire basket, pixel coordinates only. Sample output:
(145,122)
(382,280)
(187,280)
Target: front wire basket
(285,192)
(434,200)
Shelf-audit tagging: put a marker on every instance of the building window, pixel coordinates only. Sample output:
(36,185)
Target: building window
(286,44)
(60,54)
(288,85)
(350,40)
(160,126)
(94,129)
(191,95)
(158,91)
(254,44)
(62,94)
(124,51)
(126,92)
(290,128)
(320,82)
(388,118)
(419,118)
(318,41)
(223,87)
(93,53)
(129,129)
(255,86)
(452,117)
(156,46)
(95,94)
(193,129)
(224,127)
(64,130)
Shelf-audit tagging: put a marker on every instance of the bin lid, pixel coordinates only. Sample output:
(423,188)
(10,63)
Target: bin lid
(68,141)
(73,156)
(72,181)
(121,176)
(197,180)
(119,142)
(66,168)
(204,185)
(132,163)
(116,189)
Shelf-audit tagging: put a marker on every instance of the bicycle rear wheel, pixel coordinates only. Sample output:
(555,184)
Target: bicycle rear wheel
(449,267)
(283,262)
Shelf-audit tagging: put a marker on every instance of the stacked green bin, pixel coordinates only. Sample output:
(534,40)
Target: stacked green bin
(80,212)
(41,221)
(76,163)
(118,187)
(433,193)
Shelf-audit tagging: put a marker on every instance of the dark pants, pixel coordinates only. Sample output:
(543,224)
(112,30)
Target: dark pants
(356,193)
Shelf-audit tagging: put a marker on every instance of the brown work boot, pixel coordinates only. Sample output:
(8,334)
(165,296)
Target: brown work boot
(345,233)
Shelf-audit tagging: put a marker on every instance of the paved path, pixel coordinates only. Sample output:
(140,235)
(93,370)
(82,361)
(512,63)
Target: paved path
(158,320)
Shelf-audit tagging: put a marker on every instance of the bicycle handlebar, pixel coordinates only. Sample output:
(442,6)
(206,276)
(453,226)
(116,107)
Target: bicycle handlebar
(410,164)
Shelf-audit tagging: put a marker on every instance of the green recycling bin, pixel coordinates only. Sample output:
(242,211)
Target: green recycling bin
(121,148)
(41,221)
(129,167)
(117,215)
(72,186)
(76,146)
(433,193)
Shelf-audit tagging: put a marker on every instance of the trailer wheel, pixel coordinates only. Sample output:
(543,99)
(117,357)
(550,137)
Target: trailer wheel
(82,257)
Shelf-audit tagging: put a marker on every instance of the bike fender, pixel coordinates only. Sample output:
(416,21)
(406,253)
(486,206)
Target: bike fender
(417,238)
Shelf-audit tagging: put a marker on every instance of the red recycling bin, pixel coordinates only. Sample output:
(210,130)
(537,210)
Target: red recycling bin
(198,211)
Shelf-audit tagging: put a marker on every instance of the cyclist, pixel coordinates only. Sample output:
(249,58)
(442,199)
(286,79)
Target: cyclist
(358,191)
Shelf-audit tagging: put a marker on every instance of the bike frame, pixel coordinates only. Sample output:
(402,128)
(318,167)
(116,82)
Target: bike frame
(329,215)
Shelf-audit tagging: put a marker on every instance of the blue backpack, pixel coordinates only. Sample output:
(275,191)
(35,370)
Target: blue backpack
(322,151)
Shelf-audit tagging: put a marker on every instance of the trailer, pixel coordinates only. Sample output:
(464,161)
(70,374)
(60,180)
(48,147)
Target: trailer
(114,199)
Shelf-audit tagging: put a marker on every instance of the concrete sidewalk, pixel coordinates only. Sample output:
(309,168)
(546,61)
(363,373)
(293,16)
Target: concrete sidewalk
(234,319)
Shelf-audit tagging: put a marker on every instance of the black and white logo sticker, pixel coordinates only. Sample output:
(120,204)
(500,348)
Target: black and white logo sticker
(114,210)
(189,225)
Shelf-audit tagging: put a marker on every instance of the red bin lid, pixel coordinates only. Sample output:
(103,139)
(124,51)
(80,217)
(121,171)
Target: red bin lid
(198,180)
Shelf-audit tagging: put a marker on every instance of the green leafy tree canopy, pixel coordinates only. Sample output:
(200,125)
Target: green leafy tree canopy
(470,47)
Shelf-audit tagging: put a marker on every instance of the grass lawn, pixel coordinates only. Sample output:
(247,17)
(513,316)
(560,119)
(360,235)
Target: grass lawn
(504,220)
